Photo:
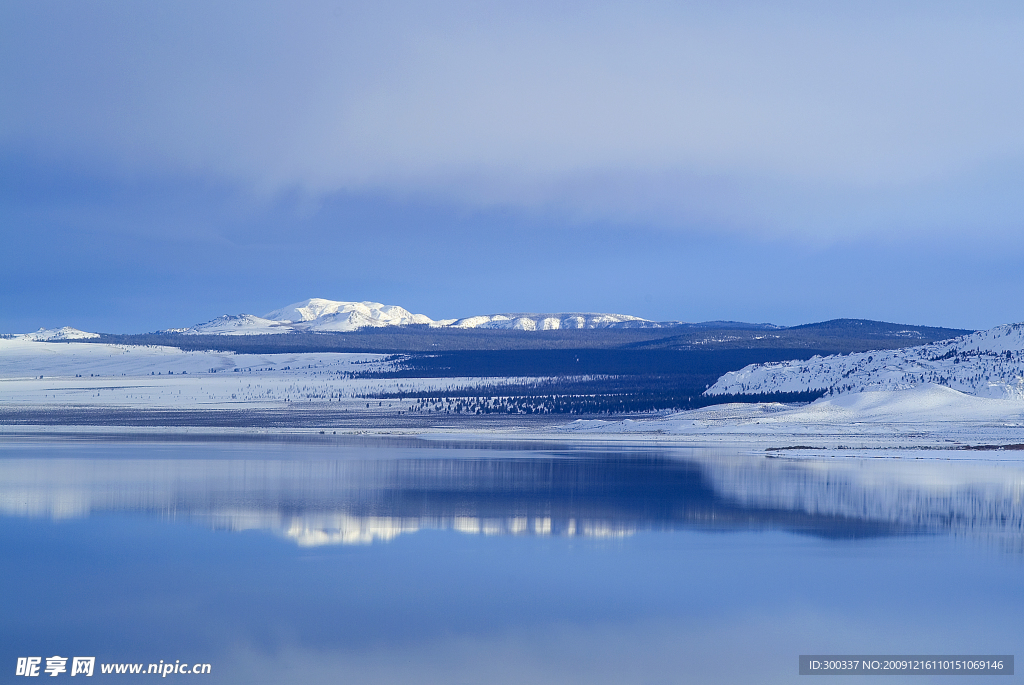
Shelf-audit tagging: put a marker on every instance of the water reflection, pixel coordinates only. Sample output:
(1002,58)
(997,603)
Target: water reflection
(316,500)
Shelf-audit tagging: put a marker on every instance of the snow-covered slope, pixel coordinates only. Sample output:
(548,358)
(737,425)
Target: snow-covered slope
(314,314)
(242,324)
(926,422)
(52,375)
(986,364)
(317,314)
(50,334)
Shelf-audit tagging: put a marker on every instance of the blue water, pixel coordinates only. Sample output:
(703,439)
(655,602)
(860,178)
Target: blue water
(411,562)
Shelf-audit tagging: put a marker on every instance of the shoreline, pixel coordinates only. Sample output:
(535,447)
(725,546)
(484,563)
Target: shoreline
(926,422)
(989,443)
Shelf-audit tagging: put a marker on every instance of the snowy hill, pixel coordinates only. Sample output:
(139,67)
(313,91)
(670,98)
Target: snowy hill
(986,364)
(312,315)
(319,315)
(927,408)
(52,334)
(242,324)
(551,322)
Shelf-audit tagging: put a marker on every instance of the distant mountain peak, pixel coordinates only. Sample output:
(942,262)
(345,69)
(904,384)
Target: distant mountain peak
(238,324)
(549,322)
(51,334)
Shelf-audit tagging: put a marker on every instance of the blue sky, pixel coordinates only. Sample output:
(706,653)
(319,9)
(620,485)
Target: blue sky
(785,162)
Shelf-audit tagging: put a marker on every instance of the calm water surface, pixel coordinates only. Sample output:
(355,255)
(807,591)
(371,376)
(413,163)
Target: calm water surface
(425,562)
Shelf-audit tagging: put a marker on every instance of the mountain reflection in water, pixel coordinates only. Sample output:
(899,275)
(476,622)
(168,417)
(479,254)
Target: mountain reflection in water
(324,500)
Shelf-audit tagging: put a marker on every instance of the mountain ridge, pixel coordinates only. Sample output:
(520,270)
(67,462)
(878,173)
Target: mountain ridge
(319,315)
(63,334)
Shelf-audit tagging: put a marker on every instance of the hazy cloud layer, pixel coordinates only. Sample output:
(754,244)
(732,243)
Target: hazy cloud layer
(822,120)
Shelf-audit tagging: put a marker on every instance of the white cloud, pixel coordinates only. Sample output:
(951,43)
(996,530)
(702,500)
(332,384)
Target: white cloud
(799,118)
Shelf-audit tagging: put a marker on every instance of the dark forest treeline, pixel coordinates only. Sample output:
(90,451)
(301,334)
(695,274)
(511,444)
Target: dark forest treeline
(707,364)
(584,381)
(517,399)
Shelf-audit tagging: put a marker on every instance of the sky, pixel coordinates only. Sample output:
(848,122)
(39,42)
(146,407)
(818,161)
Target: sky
(787,162)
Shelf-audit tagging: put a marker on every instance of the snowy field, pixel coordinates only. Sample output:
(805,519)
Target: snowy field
(46,374)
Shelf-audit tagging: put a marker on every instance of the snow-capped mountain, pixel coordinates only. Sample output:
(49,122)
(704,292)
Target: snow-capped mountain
(317,314)
(314,314)
(320,315)
(241,324)
(551,322)
(57,334)
(986,364)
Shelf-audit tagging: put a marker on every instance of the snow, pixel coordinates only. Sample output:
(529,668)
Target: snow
(65,333)
(318,314)
(41,374)
(312,315)
(938,420)
(321,315)
(928,419)
(986,364)
(548,322)
(242,324)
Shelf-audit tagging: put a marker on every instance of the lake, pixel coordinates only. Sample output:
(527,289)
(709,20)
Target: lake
(330,560)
